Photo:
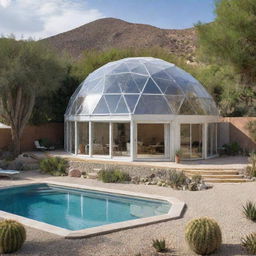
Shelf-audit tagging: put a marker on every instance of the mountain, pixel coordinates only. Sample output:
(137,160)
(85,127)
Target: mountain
(114,33)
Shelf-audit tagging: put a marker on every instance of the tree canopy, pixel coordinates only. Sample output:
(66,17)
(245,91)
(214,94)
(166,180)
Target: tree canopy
(27,69)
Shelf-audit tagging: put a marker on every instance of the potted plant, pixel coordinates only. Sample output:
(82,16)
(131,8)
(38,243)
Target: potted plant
(178,155)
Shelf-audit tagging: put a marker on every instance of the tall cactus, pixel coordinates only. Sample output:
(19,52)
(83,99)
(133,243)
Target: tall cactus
(203,235)
(12,236)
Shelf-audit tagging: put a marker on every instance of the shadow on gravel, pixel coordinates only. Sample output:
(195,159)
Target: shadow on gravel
(231,250)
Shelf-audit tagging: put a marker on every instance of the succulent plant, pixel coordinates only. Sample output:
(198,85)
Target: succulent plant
(12,236)
(203,235)
(159,245)
(250,210)
(249,243)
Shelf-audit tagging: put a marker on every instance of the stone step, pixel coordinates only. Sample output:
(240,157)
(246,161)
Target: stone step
(222,176)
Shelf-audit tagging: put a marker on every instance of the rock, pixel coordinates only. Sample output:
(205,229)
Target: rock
(135,180)
(74,173)
(159,183)
(147,183)
(92,175)
(152,176)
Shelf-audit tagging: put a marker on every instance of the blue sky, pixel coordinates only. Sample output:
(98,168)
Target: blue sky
(43,18)
(161,13)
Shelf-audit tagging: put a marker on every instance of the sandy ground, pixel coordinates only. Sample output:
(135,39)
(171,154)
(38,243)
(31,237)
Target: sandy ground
(223,202)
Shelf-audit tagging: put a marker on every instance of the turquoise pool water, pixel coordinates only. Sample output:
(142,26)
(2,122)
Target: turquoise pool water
(76,209)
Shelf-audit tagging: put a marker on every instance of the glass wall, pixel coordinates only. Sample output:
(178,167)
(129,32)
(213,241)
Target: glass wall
(100,138)
(150,140)
(191,140)
(70,138)
(83,138)
(212,139)
(121,139)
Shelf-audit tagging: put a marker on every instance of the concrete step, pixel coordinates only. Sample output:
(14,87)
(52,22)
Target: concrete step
(211,172)
(221,176)
(213,180)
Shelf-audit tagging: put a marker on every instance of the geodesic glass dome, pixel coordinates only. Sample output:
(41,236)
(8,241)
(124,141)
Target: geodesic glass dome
(140,86)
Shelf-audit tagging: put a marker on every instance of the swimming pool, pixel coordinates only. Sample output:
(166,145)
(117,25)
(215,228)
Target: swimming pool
(75,209)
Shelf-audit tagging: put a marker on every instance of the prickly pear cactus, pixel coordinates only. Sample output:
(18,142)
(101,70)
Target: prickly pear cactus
(203,235)
(12,236)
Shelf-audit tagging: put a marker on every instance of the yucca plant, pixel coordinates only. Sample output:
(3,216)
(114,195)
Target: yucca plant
(203,235)
(249,243)
(249,211)
(159,245)
(12,236)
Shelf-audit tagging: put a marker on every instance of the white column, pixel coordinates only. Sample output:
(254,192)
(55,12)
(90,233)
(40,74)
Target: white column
(133,140)
(90,138)
(167,140)
(111,139)
(76,138)
(205,130)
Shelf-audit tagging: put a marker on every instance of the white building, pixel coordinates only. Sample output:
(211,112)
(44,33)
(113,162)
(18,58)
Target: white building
(141,109)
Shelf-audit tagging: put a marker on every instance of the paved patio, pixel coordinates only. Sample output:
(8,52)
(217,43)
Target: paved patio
(218,163)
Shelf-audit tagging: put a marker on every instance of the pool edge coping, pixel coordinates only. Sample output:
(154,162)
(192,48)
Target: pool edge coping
(175,212)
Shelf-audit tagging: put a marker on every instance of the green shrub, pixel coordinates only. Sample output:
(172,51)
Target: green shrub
(113,176)
(177,179)
(251,170)
(251,126)
(12,236)
(232,148)
(54,165)
(250,211)
(249,243)
(159,245)
(196,178)
(203,235)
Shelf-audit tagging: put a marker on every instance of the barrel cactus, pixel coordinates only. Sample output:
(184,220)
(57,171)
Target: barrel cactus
(12,236)
(203,235)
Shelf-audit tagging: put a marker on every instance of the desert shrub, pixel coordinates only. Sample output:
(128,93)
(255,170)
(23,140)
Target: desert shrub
(203,235)
(249,243)
(196,179)
(177,179)
(159,245)
(251,170)
(55,166)
(12,236)
(232,149)
(251,126)
(113,176)
(249,211)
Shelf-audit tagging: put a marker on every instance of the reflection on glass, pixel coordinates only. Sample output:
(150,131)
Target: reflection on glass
(101,138)
(191,140)
(121,139)
(211,139)
(72,137)
(150,142)
(83,138)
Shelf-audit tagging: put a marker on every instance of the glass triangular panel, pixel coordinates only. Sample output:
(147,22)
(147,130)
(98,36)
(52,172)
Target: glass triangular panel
(151,87)
(102,107)
(197,105)
(131,101)
(140,81)
(186,108)
(140,70)
(121,108)
(175,102)
(152,68)
(127,84)
(161,74)
(95,88)
(112,84)
(112,101)
(121,69)
(152,104)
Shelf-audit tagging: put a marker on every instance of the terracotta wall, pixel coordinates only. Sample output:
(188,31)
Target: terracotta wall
(54,132)
(234,129)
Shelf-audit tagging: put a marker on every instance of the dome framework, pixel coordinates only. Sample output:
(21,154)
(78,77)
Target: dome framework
(141,108)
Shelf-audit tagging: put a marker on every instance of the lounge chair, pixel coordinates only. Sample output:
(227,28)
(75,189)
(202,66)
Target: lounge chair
(9,173)
(42,148)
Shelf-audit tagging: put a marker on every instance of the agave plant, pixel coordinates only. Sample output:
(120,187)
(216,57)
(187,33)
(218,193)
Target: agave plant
(159,245)
(249,243)
(249,210)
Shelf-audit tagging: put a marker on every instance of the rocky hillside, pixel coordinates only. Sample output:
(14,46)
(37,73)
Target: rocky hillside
(114,33)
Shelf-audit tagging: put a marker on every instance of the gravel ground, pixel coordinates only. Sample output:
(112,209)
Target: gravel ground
(223,202)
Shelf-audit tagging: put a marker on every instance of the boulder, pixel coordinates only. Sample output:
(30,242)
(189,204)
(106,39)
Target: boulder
(92,175)
(75,173)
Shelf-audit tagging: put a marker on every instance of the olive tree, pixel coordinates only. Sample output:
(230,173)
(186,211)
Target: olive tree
(28,69)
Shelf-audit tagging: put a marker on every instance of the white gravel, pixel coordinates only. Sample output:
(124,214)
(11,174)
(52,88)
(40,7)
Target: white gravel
(223,202)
